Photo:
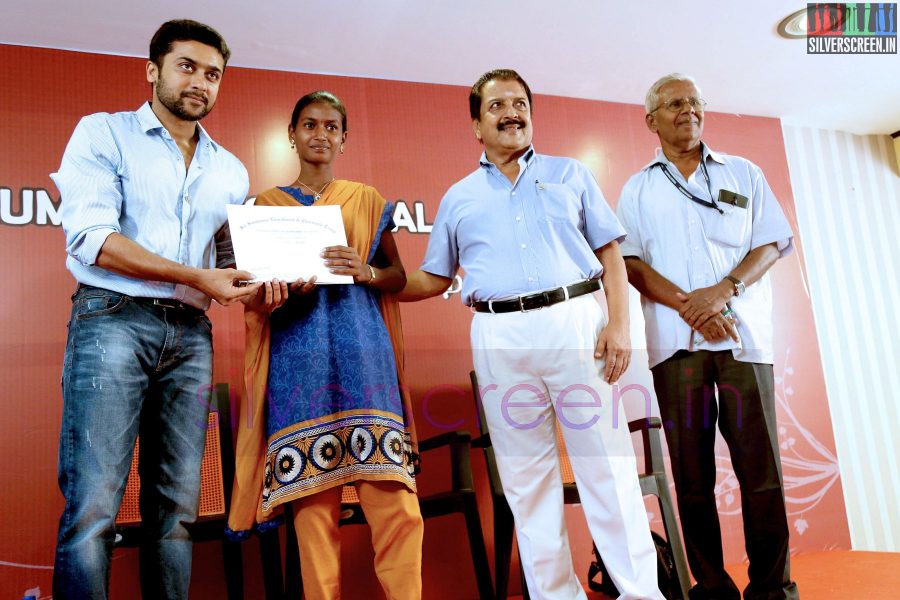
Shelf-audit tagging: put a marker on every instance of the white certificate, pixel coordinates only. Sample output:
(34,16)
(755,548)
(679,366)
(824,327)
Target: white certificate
(285,242)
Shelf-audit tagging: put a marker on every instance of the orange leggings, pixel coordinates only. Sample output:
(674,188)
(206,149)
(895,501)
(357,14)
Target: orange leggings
(392,511)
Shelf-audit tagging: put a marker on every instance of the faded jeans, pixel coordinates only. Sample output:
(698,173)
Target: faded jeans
(131,367)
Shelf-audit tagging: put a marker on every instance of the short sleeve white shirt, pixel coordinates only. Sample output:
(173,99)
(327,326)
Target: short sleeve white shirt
(696,246)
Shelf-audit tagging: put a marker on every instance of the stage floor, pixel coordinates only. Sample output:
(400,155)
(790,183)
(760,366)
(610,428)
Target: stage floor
(840,575)
(837,575)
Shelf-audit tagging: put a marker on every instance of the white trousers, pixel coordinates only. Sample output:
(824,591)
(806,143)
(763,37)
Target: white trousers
(535,369)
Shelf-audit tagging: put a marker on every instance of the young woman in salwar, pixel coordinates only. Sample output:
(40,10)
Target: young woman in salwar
(324,403)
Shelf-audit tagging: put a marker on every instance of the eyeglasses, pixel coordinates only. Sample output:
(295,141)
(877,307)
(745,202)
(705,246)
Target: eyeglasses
(678,104)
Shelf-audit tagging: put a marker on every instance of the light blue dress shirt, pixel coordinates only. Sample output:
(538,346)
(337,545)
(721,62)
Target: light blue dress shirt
(517,238)
(124,173)
(695,246)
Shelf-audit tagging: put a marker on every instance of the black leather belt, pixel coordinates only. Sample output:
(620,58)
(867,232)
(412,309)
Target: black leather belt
(540,299)
(169,303)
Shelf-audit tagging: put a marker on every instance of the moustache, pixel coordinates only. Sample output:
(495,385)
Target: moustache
(201,97)
(502,124)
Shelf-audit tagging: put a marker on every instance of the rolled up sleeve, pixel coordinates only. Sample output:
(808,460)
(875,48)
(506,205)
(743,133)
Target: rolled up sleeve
(90,188)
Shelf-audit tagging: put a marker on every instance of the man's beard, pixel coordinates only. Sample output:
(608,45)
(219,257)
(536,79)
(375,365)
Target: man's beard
(176,105)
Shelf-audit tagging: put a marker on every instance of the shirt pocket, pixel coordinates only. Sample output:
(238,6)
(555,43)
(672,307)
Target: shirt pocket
(730,229)
(559,204)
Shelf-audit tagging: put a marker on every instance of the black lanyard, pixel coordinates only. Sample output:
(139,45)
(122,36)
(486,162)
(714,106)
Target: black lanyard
(711,203)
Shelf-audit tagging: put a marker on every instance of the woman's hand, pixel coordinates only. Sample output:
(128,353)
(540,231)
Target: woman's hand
(344,260)
(268,297)
(301,287)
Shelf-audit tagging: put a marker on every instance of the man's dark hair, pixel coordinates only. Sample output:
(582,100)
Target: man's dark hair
(502,75)
(185,30)
(325,98)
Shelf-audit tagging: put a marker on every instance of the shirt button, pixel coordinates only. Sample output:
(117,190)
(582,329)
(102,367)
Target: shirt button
(531,279)
(523,246)
(518,218)
(513,193)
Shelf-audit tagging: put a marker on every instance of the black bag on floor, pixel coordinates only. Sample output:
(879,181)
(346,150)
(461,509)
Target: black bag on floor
(600,581)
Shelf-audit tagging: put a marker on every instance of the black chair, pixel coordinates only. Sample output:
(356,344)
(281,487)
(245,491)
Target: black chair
(217,474)
(653,481)
(460,498)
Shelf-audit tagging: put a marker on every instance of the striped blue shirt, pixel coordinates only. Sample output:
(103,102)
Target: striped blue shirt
(124,173)
(516,238)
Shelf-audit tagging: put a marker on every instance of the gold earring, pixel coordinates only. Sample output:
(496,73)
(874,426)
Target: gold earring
(292,143)
(342,148)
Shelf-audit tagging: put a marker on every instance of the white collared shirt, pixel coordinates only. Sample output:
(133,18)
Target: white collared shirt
(695,246)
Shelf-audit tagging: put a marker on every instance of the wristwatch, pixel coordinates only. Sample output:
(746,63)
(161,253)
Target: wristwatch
(739,287)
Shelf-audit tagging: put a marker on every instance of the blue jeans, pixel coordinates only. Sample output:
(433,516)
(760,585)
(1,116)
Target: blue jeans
(131,367)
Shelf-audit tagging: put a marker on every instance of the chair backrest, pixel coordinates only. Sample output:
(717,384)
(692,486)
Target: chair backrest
(565,465)
(213,475)
(348,495)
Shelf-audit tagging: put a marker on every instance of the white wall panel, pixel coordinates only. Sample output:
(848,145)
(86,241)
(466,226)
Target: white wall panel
(847,194)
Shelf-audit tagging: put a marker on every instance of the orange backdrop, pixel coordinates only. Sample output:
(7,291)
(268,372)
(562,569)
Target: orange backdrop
(411,141)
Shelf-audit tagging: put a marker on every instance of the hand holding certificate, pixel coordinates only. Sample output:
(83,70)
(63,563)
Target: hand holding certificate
(284,242)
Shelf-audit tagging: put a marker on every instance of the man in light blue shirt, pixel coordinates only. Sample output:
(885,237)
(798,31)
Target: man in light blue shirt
(703,230)
(536,237)
(143,195)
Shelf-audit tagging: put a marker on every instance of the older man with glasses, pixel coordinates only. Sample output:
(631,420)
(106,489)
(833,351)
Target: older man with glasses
(703,230)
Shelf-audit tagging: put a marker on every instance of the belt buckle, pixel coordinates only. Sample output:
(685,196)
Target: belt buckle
(522,304)
(167,303)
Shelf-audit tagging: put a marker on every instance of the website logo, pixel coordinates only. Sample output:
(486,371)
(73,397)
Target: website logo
(851,28)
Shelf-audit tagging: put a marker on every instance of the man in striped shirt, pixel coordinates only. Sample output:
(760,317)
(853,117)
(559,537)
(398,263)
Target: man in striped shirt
(143,196)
